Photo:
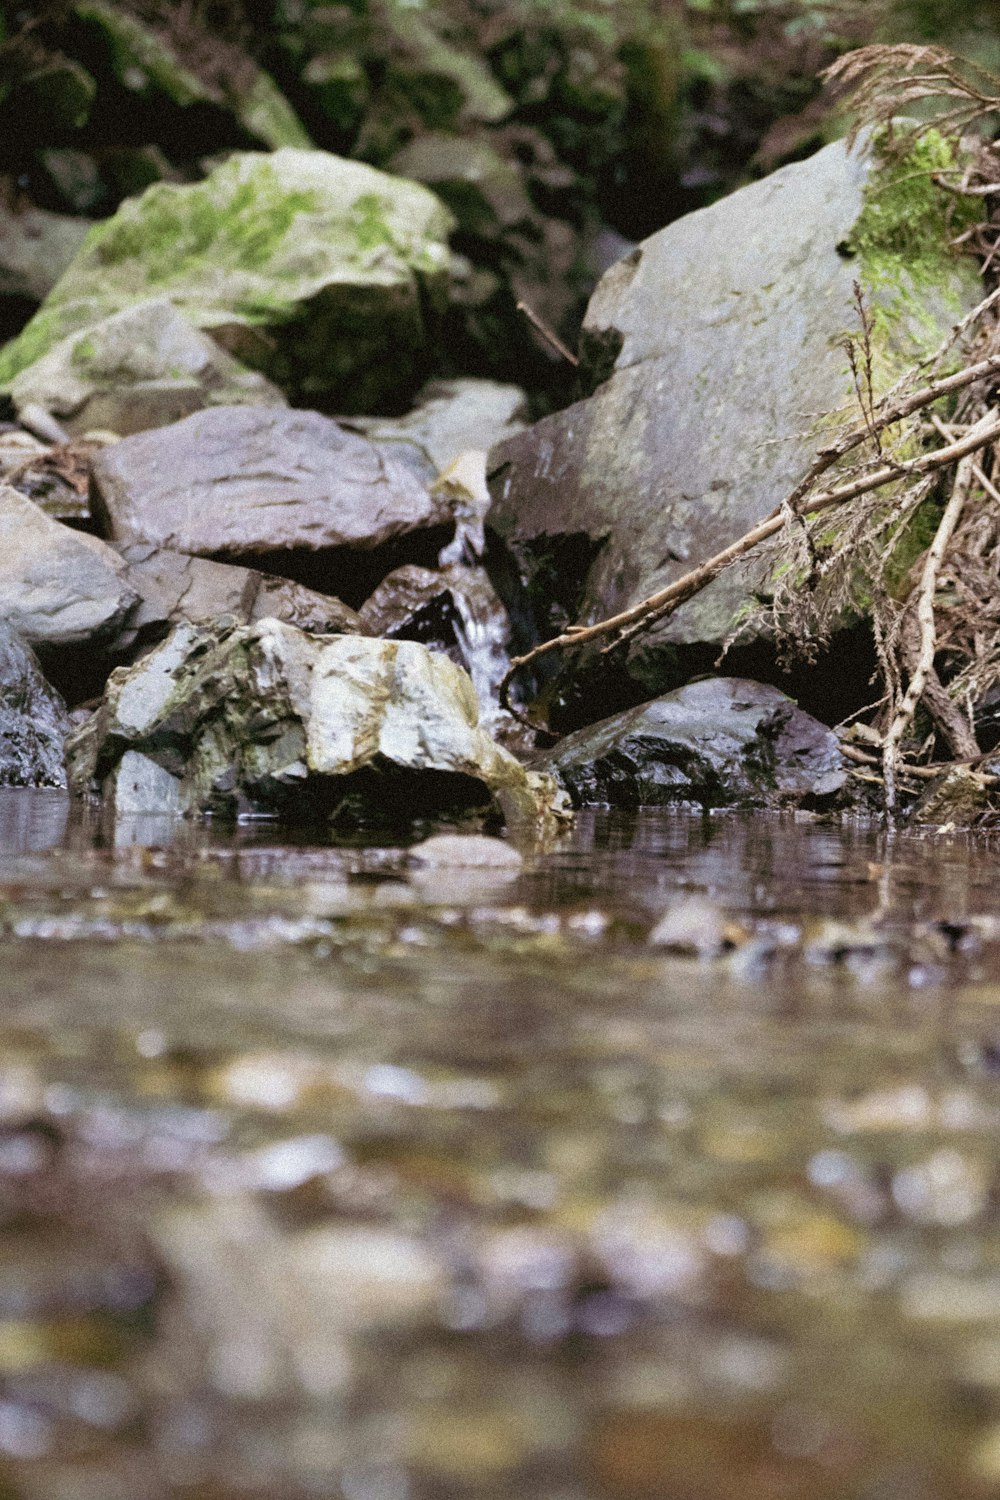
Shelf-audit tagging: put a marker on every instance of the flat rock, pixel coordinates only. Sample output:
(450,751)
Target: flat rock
(58,587)
(144,367)
(267,716)
(33,719)
(324,274)
(713,348)
(465,851)
(174,587)
(450,418)
(239,481)
(716,742)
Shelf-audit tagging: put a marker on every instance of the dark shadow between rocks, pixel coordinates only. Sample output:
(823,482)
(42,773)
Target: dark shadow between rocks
(349,573)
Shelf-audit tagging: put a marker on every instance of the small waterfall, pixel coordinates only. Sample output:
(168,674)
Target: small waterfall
(482,631)
(482,627)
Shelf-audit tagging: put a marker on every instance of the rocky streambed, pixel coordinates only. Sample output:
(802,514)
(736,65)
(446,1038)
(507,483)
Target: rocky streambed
(659,1159)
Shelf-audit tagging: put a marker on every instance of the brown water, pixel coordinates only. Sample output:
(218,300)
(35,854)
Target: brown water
(322,1178)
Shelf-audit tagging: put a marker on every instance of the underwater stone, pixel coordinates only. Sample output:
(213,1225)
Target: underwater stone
(716,742)
(267,716)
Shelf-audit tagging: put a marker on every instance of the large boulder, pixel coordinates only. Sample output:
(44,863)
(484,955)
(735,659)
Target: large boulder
(146,366)
(714,349)
(58,587)
(267,716)
(261,482)
(318,271)
(716,742)
(33,719)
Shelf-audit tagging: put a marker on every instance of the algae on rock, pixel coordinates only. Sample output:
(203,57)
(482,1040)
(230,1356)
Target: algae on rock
(322,273)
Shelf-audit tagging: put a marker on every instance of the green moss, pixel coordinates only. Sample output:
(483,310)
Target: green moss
(84,352)
(903,237)
(368,221)
(171,229)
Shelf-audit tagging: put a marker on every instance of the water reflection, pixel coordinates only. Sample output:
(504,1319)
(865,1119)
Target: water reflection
(32,820)
(667,1168)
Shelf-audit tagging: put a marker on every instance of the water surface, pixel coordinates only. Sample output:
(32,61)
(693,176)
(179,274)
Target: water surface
(322,1176)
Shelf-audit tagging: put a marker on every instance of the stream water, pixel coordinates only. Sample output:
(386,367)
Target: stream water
(324,1176)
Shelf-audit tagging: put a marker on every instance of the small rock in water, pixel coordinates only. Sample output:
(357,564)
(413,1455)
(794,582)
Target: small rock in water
(696,926)
(715,742)
(465,851)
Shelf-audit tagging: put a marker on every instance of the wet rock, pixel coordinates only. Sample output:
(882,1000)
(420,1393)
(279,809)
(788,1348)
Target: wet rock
(320,272)
(696,928)
(259,482)
(454,609)
(267,716)
(141,368)
(33,719)
(173,587)
(57,587)
(718,741)
(450,418)
(705,347)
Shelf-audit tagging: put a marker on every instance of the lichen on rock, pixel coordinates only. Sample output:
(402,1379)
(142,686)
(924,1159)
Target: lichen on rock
(267,716)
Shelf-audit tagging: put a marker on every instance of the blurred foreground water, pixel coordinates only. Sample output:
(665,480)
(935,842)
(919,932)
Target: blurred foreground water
(326,1176)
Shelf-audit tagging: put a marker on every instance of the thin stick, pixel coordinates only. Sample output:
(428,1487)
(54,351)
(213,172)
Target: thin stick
(668,599)
(985,429)
(886,414)
(547,333)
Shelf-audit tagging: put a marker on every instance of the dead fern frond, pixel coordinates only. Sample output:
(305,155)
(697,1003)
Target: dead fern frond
(883,83)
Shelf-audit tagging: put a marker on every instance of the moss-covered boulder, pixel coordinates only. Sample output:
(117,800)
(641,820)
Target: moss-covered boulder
(713,351)
(267,716)
(143,367)
(322,273)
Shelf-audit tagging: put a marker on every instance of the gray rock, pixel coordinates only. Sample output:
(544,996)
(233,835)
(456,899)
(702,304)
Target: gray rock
(450,418)
(234,481)
(324,274)
(715,346)
(58,587)
(138,785)
(267,716)
(141,368)
(33,719)
(173,587)
(483,191)
(716,742)
(35,249)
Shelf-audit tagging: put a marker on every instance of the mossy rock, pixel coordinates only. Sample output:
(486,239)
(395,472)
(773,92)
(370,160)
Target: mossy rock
(320,272)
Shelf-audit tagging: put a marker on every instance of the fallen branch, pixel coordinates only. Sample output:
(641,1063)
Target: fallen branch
(924,666)
(629,621)
(548,334)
